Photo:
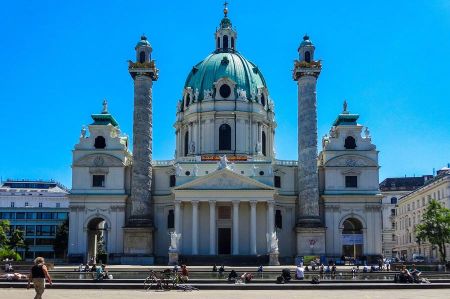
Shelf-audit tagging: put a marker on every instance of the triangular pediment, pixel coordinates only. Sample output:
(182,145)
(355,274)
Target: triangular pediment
(224,179)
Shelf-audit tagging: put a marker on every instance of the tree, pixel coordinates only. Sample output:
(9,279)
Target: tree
(17,240)
(435,227)
(62,238)
(4,229)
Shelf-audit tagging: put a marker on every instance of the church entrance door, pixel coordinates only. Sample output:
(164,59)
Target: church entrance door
(224,240)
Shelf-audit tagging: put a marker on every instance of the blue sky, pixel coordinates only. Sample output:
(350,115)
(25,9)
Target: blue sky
(59,59)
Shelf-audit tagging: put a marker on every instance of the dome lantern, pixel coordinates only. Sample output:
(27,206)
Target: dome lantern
(306,50)
(225,36)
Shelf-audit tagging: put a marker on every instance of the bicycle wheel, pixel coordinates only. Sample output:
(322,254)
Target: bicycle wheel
(148,283)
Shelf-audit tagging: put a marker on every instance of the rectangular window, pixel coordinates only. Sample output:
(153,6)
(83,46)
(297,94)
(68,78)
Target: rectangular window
(392,212)
(31,215)
(278,219)
(58,205)
(12,204)
(31,230)
(224,212)
(42,241)
(393,225)
(45,230)
(20,215)
(26,204)
(98,180)
(351,181)
(40,204)
(20,227)
(277,181)
(173,180)
(171,220)
(62,215)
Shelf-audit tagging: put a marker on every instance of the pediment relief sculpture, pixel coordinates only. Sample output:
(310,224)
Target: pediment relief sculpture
(99,160)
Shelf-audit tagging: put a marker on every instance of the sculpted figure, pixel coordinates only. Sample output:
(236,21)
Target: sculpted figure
(207,95)
(196,93)
(174,241)
(273,242)
(83,132)
(178,170)
(223,163)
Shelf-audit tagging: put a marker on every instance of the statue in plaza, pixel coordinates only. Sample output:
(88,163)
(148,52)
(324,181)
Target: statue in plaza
(273,242)
(174,241)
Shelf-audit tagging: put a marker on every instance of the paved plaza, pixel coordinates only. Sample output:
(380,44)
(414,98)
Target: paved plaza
(217,294)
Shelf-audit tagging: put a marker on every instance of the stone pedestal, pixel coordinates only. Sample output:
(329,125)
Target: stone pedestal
(310,241)
(138,245)
(273,259)
(173,258)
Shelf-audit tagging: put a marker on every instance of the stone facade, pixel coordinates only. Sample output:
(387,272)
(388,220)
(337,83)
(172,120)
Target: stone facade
(409,212)
(224,194)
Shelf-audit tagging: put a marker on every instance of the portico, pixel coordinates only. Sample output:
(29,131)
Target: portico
(234,217)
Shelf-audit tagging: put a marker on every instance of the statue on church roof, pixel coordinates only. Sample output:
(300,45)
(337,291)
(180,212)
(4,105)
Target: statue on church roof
(345,106)
(223,163)
(105,106)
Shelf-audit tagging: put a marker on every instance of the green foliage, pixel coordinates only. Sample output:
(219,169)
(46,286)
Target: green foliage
(435,227)
(17,240)
(62,238)
(7,253)
(4,229)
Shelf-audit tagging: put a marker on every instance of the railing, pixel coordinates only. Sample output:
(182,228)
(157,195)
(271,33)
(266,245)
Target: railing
(286,162)
(163,162)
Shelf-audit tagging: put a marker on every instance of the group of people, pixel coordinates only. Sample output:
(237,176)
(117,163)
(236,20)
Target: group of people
(184,272)
(99,272)
(410,276)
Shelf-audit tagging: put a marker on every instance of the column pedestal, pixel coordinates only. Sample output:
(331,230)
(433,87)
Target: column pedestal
(273,259)
(173,258)
(137,246)
(310,241)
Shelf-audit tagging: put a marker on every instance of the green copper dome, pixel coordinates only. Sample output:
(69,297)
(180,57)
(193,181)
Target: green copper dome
(231,65)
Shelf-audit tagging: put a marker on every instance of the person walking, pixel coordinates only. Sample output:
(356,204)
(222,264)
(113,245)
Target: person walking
(38,275)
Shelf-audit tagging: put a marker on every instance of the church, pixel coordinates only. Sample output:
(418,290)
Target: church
(224,197)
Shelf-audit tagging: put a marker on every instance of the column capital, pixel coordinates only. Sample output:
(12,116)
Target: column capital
(212,201)
(253,202)
(194,202)
(271,203)
(236,202)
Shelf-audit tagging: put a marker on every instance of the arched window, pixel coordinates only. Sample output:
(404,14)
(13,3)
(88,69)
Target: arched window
(186,143)
(263,141)
(218,43)
(100,142)
(142,57)
(225,42)
(263,100)
(350,143)
(232,42)
(188,100)
(224,138)
(393,200)
(307,56)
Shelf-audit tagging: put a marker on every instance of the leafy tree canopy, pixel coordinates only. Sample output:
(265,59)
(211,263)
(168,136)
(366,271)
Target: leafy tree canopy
(435,227)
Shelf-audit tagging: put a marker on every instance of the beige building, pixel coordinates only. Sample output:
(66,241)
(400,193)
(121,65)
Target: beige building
(392,190)
(410,210)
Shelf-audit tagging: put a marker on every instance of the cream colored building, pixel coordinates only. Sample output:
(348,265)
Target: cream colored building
(410,210)
(224,192)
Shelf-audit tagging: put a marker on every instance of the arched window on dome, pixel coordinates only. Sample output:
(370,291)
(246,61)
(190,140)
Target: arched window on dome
(263,141)
(186,143)
(232,43)
(263,100)
(225,41)
(350,143)
(307,56)
(100,142)
(224,137)
(188,100)
(218,43)
(142,57)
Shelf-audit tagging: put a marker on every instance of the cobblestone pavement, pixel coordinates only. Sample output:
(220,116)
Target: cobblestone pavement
(275,294)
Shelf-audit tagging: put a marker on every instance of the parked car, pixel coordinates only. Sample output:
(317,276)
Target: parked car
(417,258)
